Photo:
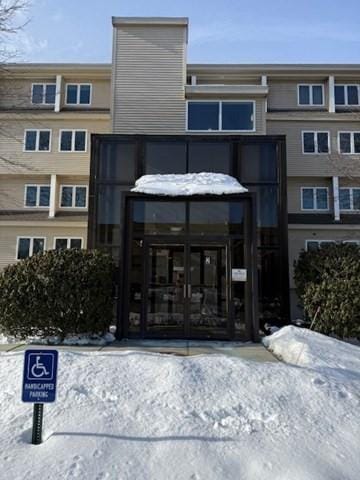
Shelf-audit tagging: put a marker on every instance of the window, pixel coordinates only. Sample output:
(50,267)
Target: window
(352,242)
(78,94)
(316,142)
(37,195)
(37,140)
(73,196)
(221,116)
(349,198)
(310,95)
(43,93)
(349,142)
(72,141)
(314,198)
(28,246)
(61,243)
(346,94)
(311,245)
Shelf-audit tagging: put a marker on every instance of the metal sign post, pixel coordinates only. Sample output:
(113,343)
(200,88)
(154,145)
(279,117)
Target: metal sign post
(39,385)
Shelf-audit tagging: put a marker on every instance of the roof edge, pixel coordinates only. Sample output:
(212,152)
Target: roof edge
(175,21)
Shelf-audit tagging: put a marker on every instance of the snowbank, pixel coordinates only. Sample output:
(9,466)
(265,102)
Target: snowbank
(85,339)
(148,416)
(188,184)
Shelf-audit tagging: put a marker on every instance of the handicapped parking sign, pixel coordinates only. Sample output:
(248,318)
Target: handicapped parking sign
(40,374)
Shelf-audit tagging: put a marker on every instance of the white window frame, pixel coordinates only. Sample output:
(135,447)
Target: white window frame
(352,143)
(73,130)
(74,187)
(310,104)
(78,104)
(319,242)
(38,186)
(31,248)
(314,189)
(351,209)
(345,87)
(37,130)
(44,93)
(315,132)
(68,239)
(357,242)
(220,102)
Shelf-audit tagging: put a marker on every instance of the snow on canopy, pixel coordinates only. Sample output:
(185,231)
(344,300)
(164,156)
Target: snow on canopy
(188,184)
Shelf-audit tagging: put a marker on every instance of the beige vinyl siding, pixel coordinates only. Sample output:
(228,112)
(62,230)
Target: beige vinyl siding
(333,164)
(13,160)
(294,186)
(16,93)
(12,190)
(283,94)
(149,79)
(8,238)
(100,93)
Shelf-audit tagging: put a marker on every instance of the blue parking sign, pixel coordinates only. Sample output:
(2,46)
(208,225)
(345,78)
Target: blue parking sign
(40,374)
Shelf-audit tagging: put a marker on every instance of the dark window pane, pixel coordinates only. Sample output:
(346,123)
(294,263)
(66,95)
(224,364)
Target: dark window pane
(356,198)
(258,162)
(38,245)
(151,218)
(165,158)
(339,95)
(85,94)
(323,142)
(117,161)
(218,218)
(50,92)
(31,196)
(44,140)
(71,94)
(23,248)
(345,143)
(344,196)
(61,244)
(30,140)
(37,94)
(135,281)
(304,95)
(353,95)
(80,197)
(309,142)
(75,243)
(312,245)
(267,213)
(80,141)
(357,142)
(203,116)
(209,157)
(237,116)
(307,199)
(66,138)
(270,288)
(317,92)
(44,200)
(109,202)
(66,196)
(321,199)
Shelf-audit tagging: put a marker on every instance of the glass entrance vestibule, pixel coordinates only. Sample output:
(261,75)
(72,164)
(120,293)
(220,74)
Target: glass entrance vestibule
(189,267)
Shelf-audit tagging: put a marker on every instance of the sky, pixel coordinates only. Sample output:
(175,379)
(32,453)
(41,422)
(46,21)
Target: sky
(237,31)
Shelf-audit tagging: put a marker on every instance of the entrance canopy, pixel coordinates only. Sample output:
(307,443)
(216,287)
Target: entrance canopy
(188,184)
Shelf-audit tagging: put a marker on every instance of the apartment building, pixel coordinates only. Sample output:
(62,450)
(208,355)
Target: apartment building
(289,133)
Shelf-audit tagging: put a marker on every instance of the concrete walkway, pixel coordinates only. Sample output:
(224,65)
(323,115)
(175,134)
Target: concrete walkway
(248,351)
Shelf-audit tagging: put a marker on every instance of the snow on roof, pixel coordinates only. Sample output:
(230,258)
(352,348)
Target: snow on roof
(188,184)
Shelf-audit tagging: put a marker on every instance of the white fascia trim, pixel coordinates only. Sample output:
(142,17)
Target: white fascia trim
(336,197)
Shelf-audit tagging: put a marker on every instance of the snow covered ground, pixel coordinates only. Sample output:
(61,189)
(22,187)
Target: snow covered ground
(144,416)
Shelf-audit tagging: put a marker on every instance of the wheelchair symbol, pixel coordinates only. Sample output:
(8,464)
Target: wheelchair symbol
(41,368)
(38,370)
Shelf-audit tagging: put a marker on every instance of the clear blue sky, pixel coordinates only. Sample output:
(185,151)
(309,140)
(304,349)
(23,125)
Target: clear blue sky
(226,31)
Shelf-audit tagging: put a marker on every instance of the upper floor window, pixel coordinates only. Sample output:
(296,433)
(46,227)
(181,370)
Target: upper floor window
(78,94)
(37,140)
(73,196)
(225,116)
(349,198)
(349,142)
(72,141)
(37,195)
(63,243)
(43,93)
(310,94)
(316,142)
(346,94)
(311,245)
(28,246)
(314,198)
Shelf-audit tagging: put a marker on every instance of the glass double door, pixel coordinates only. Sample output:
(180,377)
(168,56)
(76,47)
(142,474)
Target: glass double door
(187,290)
